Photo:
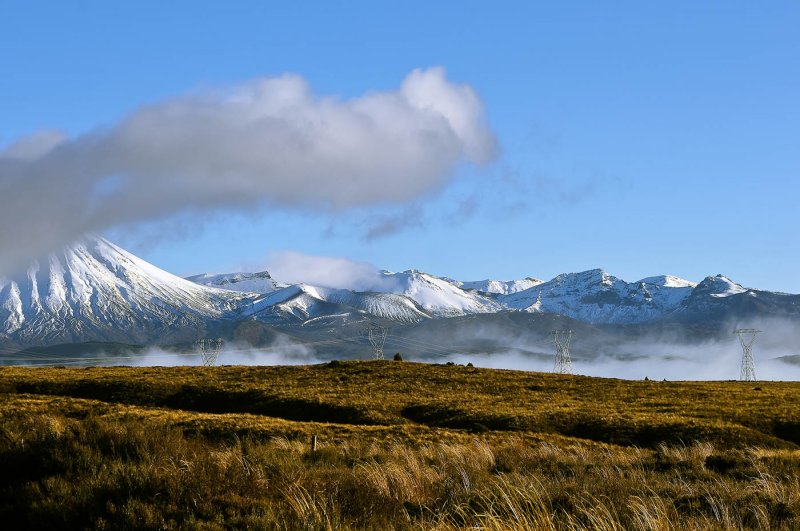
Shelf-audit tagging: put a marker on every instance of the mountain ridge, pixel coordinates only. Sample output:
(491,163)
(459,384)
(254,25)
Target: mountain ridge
(94,290)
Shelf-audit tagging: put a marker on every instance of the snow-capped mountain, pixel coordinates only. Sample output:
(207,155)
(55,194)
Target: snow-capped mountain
(303,302)
(593,296)
(719,286)
(438,296)
(406,296)
(97,290)
(597,297)
(720,299)
(260,282)
(500,287)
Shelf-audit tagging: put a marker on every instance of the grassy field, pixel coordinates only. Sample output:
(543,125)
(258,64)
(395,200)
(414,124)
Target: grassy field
(399,445)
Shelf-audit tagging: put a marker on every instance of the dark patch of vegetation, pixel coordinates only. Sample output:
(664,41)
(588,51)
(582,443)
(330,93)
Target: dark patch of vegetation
(722,464)
(787,430)
(123,392)
(444,417)
(209,400)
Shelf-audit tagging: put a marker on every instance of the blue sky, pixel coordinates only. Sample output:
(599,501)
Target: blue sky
(643,139)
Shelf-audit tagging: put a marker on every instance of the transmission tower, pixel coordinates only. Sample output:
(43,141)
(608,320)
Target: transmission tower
(746,337)
(209,350)
(376,335)
(562,339)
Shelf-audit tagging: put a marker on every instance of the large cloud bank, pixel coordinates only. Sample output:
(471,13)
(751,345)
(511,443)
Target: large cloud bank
(269,142)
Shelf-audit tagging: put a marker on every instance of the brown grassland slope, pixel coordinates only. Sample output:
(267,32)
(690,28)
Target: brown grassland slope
(399,446)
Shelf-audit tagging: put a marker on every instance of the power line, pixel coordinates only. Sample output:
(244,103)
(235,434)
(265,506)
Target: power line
(747,336)
(209,350)
(563,362)
(376,335)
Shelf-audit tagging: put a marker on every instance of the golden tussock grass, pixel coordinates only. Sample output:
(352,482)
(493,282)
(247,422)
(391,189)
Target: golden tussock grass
(400,446)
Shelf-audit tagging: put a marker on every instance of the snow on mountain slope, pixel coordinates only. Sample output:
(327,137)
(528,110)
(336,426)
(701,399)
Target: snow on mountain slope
(260,282)
(597,297)
(409,297)
(669,281)
(295,303)
(718,299)
(500,287)
(721,286)
(385,305)
(304,301)
(95,289)
(438,296)
(666,291)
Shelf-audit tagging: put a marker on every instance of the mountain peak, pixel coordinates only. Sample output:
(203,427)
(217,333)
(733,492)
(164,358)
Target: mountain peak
(588,277)
(259,282)
(668,281)
(499,287)
(720,286)
(94,289)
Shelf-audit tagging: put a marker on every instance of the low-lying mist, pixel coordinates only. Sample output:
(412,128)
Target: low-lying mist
(721,365)
(282,351)
(711,361)
(604,352)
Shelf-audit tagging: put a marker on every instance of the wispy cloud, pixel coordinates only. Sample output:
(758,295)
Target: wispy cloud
(293,267)
(383,225)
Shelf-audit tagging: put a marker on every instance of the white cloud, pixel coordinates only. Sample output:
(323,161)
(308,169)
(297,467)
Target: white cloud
(269,142)
(292,267)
